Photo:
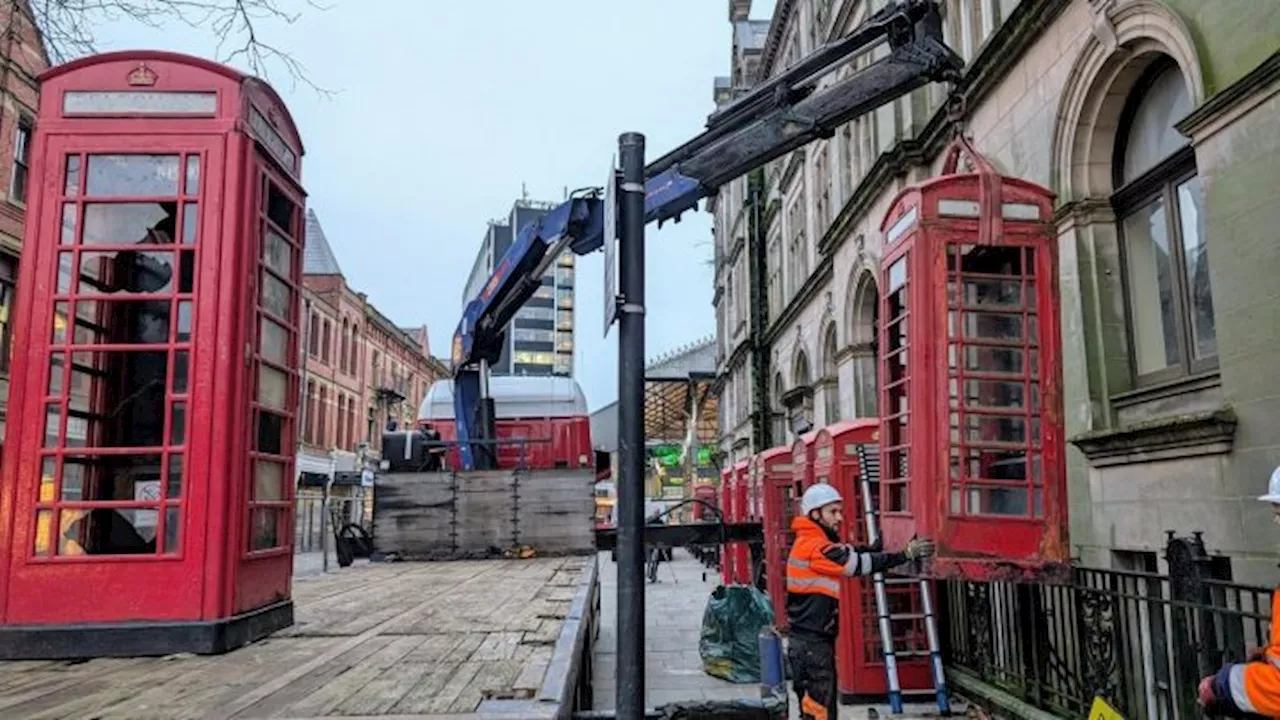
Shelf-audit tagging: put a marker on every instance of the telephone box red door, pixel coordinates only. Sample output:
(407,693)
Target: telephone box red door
(972,451)
(740,489)
(859,652)
(772,472)
(147,501)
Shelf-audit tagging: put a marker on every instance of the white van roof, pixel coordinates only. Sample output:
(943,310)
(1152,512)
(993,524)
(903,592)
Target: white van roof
(514,396)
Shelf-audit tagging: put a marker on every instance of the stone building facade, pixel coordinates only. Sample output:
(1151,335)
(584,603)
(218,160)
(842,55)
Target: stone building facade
(362,371)
(1155,123)
(23,55)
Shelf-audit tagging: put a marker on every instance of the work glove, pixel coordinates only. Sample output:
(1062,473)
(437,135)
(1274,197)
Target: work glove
(919,548)
(1204,693)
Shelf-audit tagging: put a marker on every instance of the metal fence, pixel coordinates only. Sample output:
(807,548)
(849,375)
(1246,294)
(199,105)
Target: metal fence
(1140,640)
(307,527)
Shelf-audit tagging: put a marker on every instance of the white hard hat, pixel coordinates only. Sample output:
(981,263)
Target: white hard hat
(818,495)
(1273,488)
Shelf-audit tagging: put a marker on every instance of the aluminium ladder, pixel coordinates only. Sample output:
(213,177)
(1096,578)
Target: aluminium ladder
(869,477)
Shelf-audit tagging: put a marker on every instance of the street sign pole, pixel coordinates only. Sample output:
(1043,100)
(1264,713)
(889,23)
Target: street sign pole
(630,307)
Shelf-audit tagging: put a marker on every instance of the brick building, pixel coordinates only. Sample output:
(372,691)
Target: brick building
(1156,123)
(361,371)
(24,57)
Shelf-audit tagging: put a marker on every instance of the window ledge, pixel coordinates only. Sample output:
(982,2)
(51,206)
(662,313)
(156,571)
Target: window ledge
(1172,388)
(796,396)
(1209,432)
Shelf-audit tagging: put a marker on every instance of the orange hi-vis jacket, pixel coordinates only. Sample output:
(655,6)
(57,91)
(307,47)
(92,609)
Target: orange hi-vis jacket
(815,566)
(1254,687)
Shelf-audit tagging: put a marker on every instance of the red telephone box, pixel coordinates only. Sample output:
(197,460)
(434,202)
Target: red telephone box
(148,491)
(771,471)
(859,652)
(733,495)
(707,494)
(971,397)
(741,513)
(802,463)
(724,498)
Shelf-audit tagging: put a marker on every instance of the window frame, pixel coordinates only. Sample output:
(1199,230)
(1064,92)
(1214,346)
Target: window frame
(26,125)
(1161,183)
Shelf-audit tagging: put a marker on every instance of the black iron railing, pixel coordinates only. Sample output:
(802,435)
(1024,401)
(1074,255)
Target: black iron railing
(1139,640)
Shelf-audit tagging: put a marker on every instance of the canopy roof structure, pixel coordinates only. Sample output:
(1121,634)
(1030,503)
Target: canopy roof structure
(679,405)
(677,393)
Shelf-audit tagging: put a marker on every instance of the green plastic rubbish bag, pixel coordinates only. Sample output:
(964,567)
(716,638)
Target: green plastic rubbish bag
(730,645)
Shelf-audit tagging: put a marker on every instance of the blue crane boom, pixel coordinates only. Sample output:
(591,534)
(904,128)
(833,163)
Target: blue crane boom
(777,117)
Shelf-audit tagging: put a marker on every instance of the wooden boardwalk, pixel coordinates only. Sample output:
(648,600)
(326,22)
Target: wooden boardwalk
(378,640)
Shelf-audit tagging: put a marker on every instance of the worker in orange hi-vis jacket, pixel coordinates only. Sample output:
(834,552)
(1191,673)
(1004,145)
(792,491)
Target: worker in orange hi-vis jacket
(1251,689)
(816,563)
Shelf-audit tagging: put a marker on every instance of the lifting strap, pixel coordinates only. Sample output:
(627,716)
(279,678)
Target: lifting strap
(990,183)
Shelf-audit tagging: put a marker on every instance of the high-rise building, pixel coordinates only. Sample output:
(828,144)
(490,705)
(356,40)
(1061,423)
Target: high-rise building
(540,339)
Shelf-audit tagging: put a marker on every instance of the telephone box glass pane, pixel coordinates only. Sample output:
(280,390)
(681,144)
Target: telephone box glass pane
(190,222)
(279,208)
(64,273)
(274,342)
(270,433)
(173,490)
(278,253)
(276,296)
(132,176)
(273,387)
(44,532)
(48,478)
(56,361)
(129,223)
(193,175)
(180,361)
(172,529)
(178,424)
(126,271)
(68,235)
(266,533)
(268,480)
(71,185)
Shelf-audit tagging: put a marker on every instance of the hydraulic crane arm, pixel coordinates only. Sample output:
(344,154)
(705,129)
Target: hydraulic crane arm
(781,115)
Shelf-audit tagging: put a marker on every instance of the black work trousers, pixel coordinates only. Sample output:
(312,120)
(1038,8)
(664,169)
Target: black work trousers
(813,676)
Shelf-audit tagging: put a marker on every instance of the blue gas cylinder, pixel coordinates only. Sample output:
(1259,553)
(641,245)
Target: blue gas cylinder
(773,681)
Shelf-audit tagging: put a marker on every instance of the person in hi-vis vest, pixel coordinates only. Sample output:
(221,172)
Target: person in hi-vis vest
(1251,689)
(814,567)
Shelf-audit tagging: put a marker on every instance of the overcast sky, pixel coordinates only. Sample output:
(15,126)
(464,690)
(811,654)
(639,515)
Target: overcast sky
(443,109)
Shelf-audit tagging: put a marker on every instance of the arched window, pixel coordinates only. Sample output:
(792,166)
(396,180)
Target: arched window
(345,352)
(800,413)
(800,375)
(354,363)
(341,442)
(864,328)
(830,378)
(1160,206)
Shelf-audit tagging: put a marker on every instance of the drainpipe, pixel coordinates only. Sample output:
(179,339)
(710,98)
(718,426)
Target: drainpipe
(758,304)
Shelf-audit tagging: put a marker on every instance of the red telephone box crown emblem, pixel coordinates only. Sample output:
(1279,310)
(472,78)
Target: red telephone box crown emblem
(143,75)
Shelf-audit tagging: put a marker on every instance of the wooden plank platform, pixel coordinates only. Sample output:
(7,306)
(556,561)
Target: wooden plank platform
(467,639)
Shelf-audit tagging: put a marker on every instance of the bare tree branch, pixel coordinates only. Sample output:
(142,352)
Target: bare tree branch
(68,28)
